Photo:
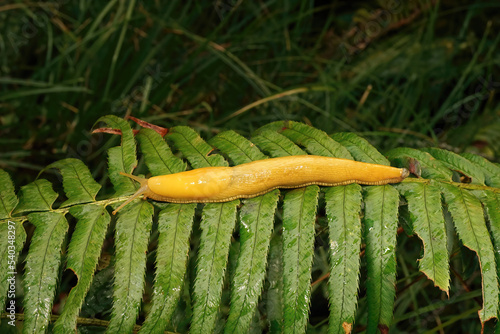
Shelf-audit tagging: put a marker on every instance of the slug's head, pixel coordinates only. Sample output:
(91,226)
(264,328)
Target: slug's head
(404,173)
(144,189)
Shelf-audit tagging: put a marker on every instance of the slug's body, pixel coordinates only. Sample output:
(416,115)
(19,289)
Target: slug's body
(221,184)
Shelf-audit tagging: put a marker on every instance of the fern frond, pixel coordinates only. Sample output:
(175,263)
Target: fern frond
(174,227)
(217,225)
(36,196)
(380,227)
(469,222)
(431,168)
(157,155)
(457,163)
(12,238)
(42,269)
(424,205)
(490,170)
(83,254)
(79,185)
(8,198)
(299,216)
(121,158)
(131,242)
(195,149)
(256,224)
(275,144)
(343,206)
(315,141)
(274,293)
(359,148)
(239,149)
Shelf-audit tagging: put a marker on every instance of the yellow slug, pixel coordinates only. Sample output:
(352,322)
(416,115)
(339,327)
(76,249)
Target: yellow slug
(221,184)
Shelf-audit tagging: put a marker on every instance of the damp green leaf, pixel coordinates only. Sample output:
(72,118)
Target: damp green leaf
(468,217)
(42,269)
(12,238)
(157,155)
(458,163)
(343,206)
(424,205)
(217,226)
(380,227)
(195,149)
(360,148)
(121,158)
(490,170)
(8,198)
(79,185)
(174,227)
(299,216)
(256,224)
(131,243)
(275,144)
(36,196)
(239,149)
(315,141)
(82,258)
(431,168)
(275,285)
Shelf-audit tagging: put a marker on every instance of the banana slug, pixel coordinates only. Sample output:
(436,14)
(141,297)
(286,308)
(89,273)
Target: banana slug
(221,184)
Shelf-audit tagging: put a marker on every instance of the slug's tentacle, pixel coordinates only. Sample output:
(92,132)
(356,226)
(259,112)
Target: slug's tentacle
(144,189)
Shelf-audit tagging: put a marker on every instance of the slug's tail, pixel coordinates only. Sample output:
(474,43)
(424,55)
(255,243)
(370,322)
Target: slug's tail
(142,190)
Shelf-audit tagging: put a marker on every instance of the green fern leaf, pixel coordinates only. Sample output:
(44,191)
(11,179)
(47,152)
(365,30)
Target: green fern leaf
(458,163)
(315,141)
(78,183)
(469,221)
(8,198)
(424,204)
(174,227)
(343,206)
(491,201)
(42,269)
(121,158)
(83,254)
(380,227)
(490,170)
(12,240)
(131,243)
(299,216)
(239,149)
(157,154)
(275,144)
(256,224)
(431,168)
(360,148)
(256,221)
(195,149)
(275,285)
(36,196)
(217,225)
